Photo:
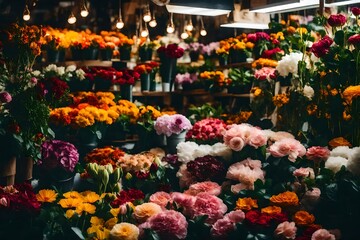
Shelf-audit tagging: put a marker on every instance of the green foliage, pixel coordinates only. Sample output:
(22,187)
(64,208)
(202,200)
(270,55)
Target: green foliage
(240,76)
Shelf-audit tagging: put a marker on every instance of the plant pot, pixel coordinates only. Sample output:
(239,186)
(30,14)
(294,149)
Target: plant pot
(168,70)
(173,140)
(145,82)
(194,56)
(7,170)
(53,179)
(237,56)
(125,53)
(24,169)
(126,92)
(106,54)
(115,132)
(55,55)
(145,54)
(78,86)
(90,54)
(101,84)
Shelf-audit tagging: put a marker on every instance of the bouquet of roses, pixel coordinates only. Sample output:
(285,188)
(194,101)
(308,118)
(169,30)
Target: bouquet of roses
(170,51)
(146,68)
(207,131)
(128,77)
(173,124)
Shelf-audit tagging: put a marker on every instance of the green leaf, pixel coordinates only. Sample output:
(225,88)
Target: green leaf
(339,37)
(98,134)
(78,232)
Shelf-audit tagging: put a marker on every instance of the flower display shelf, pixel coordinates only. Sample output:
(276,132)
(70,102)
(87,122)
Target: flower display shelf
(86,63)
(234,65)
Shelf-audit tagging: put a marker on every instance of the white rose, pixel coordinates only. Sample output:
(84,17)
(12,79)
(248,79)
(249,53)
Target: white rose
(308,92)
(70,68)
(60,71)
(51,68)
(335,163)
(36,73)
(80,74)
(353,164)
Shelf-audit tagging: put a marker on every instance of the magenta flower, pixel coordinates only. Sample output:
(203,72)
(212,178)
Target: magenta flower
(5,97)
(172,124)
(337,20)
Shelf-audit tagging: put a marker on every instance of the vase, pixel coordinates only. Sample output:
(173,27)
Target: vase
(152,81)
(145,82)
(106,54)
(80,85)
(173,140)
(90,54)
(223,61)
(101,84)
(126,92)
(146,139)
(168,70)
(115,132)
(55,56)
(7,170)
(24,169)
(194,56)
(145,54)
(59,179)
(237,56)
(125,53)
(165,87)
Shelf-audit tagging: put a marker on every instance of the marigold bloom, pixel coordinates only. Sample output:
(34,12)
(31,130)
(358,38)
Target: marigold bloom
(246,204)
(46,195)
(69,202)
(285,199)
(85,207)
(271,210)
(303,218)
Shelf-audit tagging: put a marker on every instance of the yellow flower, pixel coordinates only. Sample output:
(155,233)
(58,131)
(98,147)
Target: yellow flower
(115,211)
(72,194)
(85,207)
(90,197)
(70,202)
(350,93)
(109,224)
(100,233)
(280,99)
(96,221)
(271,210)
(285,199)
(46,195)
(144,211)
(69,213)
(124,231)
(303,218)
(246,204)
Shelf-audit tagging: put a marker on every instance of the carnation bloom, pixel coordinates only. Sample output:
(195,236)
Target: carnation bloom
(206,187)
(355,11)
(354,40)
(287,147)
(285,199)
(286,229)
(184,201)
(210,205)
(206,168)
(322,234)
(303,218)
(222,227)
(336,20)
(317,153)
(168,225)
(160,198)
(144,211)
(271,210)
(46,195)
(124,231)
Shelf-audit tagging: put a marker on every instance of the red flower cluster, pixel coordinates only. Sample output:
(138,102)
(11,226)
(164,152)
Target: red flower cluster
(355,11)
(105,73)
(255,37)
(322,47)
(207,131)
(354,40)
(270,53)
(128,77)
(52,87)
(337,20)
(206,168)
(255,217)
(125,196)
(171,51)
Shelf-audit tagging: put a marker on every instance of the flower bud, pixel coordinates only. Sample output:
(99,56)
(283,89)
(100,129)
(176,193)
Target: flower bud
(92,169)
(128,176)
(104,176)
(117,187)
(109,168)
(117,174)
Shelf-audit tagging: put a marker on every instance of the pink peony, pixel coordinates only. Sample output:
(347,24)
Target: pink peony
(337,20)
(183,201)
(5,97)
(304,172)
(161,198)
(207,187)
(287,147)
(209,205)
(265,73)
(169,225)
(237,136)
(221,228)
(322,234)
(286,229)
(317,153)
(235,216)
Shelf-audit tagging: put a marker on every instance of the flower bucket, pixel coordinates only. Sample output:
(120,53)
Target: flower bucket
(194,56)
(173,140)
(125,53)
(78,86)
(237,56)
(126,92)
(106,54)
(55,55)
(101,84)
(223,61)
(152,82)
(145,54)
(7,170)
(168,70)
(24,169)
(90,54)
(145,82)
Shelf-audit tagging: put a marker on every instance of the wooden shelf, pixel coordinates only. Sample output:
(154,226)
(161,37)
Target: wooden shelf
(197,92)
(234,65)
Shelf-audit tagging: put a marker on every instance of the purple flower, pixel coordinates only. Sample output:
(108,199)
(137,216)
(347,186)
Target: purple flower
(173,124)
(57,153)
(5,97)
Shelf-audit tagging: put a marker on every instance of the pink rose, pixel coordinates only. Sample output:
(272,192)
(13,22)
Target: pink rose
(236,144)
(168,224)
(184,201)
(210,205)
(207,187)
(5,97)
(322,234)
(317,153)
(277,136)
(257,138)
(221,228)
(337,20)
(161,198)
(311,198)
(287,147)
(304,172)
(286,229)
(235,216)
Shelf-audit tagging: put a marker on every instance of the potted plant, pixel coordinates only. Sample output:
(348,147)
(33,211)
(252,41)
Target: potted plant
(241,80)
(146,50)
(145,70)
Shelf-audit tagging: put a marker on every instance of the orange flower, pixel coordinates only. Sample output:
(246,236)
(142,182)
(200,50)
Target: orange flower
(303,218)
(351,92)
(339,141)
(285,199)
(46,195)
(271,210)
(246,204)
(311,109)
(280,99)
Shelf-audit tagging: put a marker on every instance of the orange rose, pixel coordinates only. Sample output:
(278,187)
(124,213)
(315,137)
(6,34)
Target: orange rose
(271,210)
(339,141)
(246,204)
(285,199)
(303,218)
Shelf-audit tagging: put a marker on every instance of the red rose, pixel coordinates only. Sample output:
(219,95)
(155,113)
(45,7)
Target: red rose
(354,40)
(355,11)
(322,47)
(337,20)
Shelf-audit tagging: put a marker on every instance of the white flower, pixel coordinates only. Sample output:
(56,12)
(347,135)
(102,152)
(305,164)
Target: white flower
(36,73)
(353,164)
(221,150)
(50,68)
(60,71)
(201,151)
(70,68)
(342,151)
(185,151)
(80,74)
(308,92)
(335,163)
(289,64)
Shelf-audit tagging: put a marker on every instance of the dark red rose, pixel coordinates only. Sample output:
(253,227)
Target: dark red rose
(355,11)
(142,175)
(127,196)
(354,40)
(154,167)
(252,216)
(337,20)
(321,47)
(270,53)
(308,232)
(206,168)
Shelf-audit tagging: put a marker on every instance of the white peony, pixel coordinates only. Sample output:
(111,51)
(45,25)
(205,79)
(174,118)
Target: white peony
(308,92)
(221,150)
(185,151)
(60,71)
(51,68)
(36,73)
(289,64)
(80,74)
(341,151)
(70,68)
(353,164)
(335,163)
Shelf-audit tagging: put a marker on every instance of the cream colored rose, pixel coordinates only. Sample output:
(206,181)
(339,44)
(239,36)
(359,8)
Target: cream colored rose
(124,231)
(144,211)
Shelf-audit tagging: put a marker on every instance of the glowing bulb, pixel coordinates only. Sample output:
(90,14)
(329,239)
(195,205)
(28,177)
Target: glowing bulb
(144,33)
(153,23)
(203,32)
(120,24)
(26,14)
(184,35)
(170,28)
(84,12)
(147,17)
(189,27)
(72,18)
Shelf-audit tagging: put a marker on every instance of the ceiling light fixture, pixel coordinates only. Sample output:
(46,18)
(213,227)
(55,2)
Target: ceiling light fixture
(84,12)
(120,24)
(26,14)
(72,18)
(147,14)
(331,3)
(203,31)
(203,8)
(144,32)
(189,26)
(153,22)
(170,27)
(285,6)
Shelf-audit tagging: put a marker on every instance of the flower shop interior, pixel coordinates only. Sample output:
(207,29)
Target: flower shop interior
(178,119)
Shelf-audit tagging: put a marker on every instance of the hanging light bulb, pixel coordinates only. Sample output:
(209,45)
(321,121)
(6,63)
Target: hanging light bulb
(84,11)
(189,27)
(144,33)
(26,14)
(72,18)
(203,31)
(147,14)
(184,35)
(153,22)
(170,27)
(120,24)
